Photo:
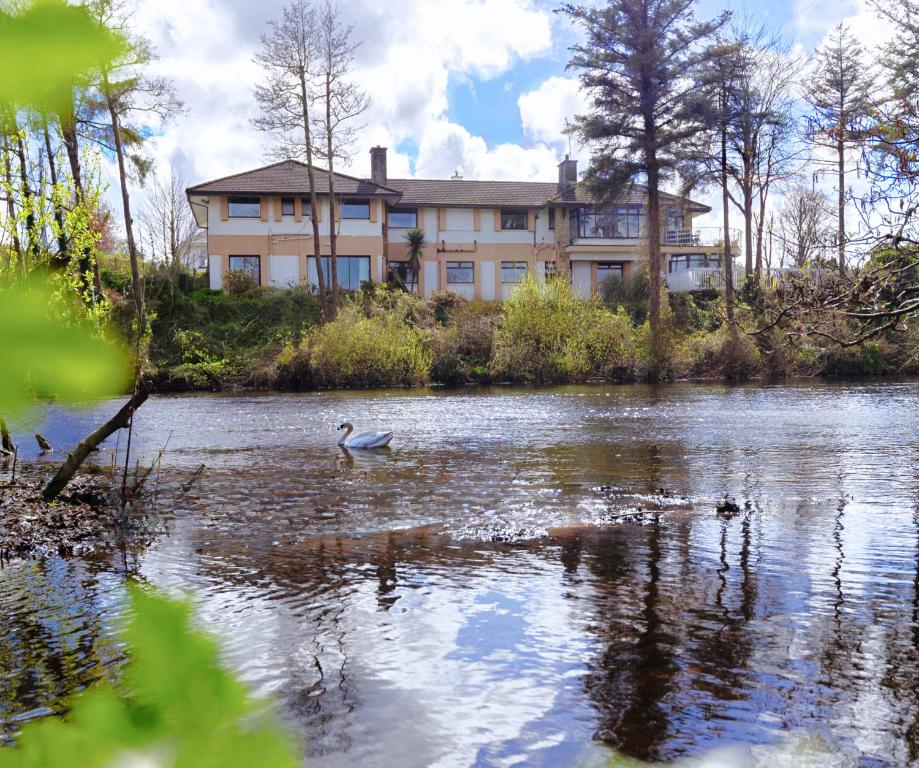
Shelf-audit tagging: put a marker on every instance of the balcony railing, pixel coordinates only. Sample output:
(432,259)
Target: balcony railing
(700,279)
(597,226)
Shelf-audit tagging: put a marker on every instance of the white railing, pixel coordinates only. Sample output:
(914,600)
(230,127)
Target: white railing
(700,279)
(703,237)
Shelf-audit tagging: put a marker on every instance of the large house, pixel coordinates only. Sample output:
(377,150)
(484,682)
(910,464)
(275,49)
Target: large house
(482,237)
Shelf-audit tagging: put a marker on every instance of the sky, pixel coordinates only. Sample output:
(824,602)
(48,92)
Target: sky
(475,86)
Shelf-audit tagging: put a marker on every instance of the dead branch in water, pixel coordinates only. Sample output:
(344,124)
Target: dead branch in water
(76,458)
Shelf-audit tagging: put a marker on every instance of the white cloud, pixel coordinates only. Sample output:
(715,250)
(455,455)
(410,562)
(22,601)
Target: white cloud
(405,63)
(544,110)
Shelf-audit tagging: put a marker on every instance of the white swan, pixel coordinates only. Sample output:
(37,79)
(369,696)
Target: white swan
(363,439)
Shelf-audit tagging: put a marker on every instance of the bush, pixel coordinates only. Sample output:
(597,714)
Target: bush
(239,282)
(549,335)
(358,349)
(718,354)
(462,351)
(630,293)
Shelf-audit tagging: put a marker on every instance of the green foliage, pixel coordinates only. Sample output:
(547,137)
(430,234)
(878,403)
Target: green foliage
(45,49)
(549,334)
(50,348)
(630,293)
(721,354)
(463,349)
(175,706)
(370,345)
(239,282)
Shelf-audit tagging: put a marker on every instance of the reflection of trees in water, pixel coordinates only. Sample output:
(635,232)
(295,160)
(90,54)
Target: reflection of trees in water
(53,638)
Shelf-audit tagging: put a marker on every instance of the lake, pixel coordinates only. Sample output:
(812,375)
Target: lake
(528,576)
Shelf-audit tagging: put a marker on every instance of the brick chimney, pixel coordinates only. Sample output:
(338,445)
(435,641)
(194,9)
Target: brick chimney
(378,165)
(567,173)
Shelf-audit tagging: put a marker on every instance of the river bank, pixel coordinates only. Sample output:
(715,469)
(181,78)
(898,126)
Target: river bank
(272,340)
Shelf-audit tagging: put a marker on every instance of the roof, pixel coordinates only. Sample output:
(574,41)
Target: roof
(579,194)
(467,193)
(289,177)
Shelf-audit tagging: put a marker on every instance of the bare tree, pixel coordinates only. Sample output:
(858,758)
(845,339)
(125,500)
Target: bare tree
(804,227)
(290,57)
(761,123)
(166,222)
(841,100)
(122,93)
(343,101)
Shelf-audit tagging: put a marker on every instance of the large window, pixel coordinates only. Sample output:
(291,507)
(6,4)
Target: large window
(244,207)
(614,222)
(460,273)
(287,206)
(514,218)
(404,273)
(353,271)
(692,261)
(513,271)
(250,264)
(354,209)
(403,218)
(607,270)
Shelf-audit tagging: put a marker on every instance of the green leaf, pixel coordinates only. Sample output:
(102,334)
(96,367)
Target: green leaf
(176,707)
(46,49)
(47,350)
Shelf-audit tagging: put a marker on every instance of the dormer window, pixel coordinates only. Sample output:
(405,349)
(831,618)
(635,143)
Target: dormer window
(354,209)
(244,207)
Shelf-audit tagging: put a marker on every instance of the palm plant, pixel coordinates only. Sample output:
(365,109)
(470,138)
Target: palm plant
(415,240)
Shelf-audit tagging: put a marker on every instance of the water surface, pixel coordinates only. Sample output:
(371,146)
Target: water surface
(529,577)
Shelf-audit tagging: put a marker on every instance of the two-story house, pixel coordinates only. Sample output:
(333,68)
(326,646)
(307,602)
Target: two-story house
(482,237)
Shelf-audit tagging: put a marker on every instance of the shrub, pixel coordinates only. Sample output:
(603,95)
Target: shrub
(630,293)
(357,350)
(462,351)
(549,334)
(239,282)
(704,354)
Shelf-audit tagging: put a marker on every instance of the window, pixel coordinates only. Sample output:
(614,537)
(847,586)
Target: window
(460,273)
(250,264)
(287,206)
(550,270)
(354,209)
(613,222)
(244,207)
(514,218)
(306,204)
(693,261)
(405,273)
(513,271)
(607,270)
(552,218)
(403,218)
(353,271)
(674,219)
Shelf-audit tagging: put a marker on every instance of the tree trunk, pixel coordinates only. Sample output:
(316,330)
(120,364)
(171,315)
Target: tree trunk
(6,440)
(76,458)
(748,221)
(10,202)
(71,144)
(726,213)
(333,234)
(58,212)
(136,284)
(654,263)
(32,248)
(841,149)
(314,205)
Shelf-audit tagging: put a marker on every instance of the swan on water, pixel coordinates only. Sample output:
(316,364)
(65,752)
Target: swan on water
(363,439)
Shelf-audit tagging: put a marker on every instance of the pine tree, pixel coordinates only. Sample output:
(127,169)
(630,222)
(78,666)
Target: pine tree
(637,64)
(840,97)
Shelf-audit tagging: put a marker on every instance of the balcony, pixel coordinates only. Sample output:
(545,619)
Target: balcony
(700,279)
(606,226)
